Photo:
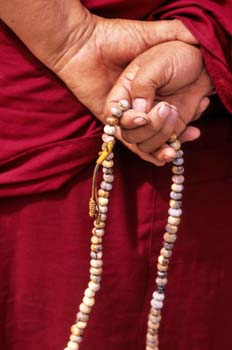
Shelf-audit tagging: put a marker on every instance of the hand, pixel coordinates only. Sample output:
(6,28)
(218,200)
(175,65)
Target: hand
(86,51)
(91,70)
(171,72)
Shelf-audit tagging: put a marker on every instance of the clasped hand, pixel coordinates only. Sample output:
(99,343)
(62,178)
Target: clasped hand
(155,66)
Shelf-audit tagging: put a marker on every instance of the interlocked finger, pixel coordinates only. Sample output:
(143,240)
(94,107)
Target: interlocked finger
(162,136)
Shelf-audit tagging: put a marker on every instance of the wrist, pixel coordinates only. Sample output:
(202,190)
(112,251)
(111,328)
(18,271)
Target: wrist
(78,30)
(50,29)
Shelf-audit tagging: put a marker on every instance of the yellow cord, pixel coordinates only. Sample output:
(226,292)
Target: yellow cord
(93,205)
(104,154)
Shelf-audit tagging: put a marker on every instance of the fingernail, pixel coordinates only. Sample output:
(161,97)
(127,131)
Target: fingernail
(174,111)
(174,108)
(164,110)
(140,104)
(140,121)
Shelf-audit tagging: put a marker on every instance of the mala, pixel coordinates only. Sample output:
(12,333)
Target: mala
(98,207)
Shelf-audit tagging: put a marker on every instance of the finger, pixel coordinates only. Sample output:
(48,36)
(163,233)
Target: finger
(165,153)
(131,119)
(121,89)
(145,83)
(202,107)
(145,156)
(191,102)
(162,136)
(156,120)
(190,134)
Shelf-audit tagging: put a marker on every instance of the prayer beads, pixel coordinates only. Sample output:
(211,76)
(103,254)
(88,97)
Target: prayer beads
(99,207)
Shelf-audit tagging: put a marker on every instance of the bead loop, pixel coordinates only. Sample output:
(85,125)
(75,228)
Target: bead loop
(98,210)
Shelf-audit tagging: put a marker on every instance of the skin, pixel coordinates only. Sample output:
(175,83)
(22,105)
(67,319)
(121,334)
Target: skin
(86,53)
(173,72)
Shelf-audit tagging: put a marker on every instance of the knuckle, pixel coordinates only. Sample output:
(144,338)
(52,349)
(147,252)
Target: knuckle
(138,84)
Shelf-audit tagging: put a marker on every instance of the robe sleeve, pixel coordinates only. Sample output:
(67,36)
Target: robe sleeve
(211,23)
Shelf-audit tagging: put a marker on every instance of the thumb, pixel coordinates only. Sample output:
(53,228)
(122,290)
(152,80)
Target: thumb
(121,89)
(148,78)
(138,83)
(166,30)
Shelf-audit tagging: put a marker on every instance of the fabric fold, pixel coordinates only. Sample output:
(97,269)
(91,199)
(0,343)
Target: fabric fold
(210,22)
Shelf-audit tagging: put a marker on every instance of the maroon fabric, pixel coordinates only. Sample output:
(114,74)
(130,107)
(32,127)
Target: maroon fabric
(63,136)
(48,144)
(210,22)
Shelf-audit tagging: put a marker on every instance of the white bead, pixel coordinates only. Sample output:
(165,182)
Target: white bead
(99,231)
(176,145)
(106,186)
(108,163)
(175,195)
(107,138)
(108,170)
(166,253)
(173,221)
(94,286)
(170,238)
(175,204)
(178,170)
(89,293)
(175,212)
(158,296)
(75,338)
(108,178)
(156,304)
(89,302)
(99,255)
(96,263)
(178,161)
(103,209)
(82,317)
(178,179)
(103,201)
(179,153)
(80,324)
(109,157)
(103,217)
(84,308)
(97,271)
(161,281)
(110,130)
(116,112)
(72,346)
(95,279)
(124,105)
(96,240)
(76,331)
(79,340)
(177,188)
(152,343)
(154,319)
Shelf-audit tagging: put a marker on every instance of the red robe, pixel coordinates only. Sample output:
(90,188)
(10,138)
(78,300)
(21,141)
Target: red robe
(45,182)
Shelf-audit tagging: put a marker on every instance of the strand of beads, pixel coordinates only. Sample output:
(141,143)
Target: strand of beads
(154,317)
(98,231)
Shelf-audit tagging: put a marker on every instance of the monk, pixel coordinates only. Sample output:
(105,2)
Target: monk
(49,143)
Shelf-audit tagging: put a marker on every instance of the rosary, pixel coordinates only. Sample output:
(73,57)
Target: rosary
(98,207)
